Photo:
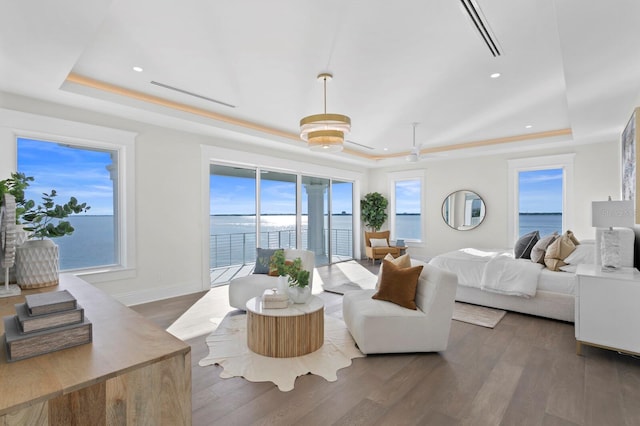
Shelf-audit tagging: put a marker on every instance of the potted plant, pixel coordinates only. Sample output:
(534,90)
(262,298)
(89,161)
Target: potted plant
(298,279)
(15,185)
(373,210)
(37,259)
(277,264)
(292,277)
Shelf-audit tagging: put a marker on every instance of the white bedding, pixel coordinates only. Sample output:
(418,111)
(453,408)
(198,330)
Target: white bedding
(497,271)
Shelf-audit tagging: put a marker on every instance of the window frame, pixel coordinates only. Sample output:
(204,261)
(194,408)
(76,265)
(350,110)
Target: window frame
(561,161)
(16,124)
(394,177)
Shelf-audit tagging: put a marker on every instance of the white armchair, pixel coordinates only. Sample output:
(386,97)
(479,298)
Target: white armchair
(244,288)
(378,326)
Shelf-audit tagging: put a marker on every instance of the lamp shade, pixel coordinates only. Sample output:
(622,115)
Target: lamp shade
(605,214)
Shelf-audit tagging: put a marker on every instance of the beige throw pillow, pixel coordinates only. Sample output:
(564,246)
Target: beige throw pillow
(540,248)
(559,250)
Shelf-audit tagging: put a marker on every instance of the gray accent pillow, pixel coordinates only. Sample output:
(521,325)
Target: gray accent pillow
(263,257)
(538,251)
(524,245)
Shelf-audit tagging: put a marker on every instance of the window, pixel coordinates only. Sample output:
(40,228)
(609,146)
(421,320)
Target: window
(88,174)
(540,191)
(287,203)
(406,206)
(244,201)
(540,201)
(87,150)
(232,216)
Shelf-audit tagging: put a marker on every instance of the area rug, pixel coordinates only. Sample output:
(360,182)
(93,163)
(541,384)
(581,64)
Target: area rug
(478,315)
(228,349)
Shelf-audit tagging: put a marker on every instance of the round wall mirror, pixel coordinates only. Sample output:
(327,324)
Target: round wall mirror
(463,210)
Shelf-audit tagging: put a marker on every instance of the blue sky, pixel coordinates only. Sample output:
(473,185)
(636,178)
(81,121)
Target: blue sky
(407,196)
(80,173)
(541,191)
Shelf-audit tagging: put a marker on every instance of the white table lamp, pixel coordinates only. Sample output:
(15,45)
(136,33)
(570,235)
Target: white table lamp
(610,214)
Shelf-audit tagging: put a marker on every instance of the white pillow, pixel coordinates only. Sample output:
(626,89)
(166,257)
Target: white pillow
(584,253)
(379,242)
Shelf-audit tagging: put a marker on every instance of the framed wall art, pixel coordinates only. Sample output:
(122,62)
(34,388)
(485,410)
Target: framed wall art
(630,141)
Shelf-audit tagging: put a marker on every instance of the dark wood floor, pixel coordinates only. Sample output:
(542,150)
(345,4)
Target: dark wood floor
(523,372)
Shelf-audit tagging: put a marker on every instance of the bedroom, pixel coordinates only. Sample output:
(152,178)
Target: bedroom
(169,238)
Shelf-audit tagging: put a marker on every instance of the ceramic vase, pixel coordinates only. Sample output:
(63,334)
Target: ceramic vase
(282,284)
(299,294)
(37,264)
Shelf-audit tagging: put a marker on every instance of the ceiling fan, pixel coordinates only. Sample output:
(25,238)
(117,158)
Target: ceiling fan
(415,155)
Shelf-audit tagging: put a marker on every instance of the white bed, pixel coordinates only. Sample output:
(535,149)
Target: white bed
(536,291)
(552,294)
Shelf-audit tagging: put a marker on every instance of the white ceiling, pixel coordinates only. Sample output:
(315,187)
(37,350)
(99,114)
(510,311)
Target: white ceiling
(566,65)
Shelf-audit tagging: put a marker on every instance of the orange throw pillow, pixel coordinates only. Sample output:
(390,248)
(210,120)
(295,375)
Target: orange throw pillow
(398,285)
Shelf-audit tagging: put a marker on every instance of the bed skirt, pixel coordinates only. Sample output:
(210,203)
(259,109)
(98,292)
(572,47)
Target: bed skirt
(545,304)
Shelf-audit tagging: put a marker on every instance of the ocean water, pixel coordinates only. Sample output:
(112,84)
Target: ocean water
(544,223)
(91,244)
(233,237)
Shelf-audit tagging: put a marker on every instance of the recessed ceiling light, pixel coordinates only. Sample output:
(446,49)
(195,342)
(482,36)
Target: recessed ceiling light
(138,69)
(528,126)
(385,149)
(495,75)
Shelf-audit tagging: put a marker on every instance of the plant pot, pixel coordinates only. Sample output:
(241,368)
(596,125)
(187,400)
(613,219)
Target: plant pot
(299,294)
(282,284)
(37,264)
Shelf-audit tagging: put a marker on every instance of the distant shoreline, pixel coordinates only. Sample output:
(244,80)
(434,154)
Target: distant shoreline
(306,214)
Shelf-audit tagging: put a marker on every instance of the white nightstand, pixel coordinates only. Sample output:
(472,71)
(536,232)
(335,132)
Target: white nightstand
(608,309)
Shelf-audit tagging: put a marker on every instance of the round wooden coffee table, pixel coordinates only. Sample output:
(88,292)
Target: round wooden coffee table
(282,333)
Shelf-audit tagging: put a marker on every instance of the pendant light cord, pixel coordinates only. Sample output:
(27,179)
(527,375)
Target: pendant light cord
(325,93)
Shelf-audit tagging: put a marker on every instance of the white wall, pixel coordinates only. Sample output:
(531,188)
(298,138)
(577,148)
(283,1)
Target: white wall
(169,222)
(596,175)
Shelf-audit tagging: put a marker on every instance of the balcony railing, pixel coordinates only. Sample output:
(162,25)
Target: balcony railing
(240,248)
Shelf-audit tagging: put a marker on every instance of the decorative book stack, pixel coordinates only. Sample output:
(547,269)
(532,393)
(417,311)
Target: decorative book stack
(273,299)
(46,322)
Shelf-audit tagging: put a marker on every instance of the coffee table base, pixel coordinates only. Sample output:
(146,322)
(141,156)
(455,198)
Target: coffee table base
(285,336)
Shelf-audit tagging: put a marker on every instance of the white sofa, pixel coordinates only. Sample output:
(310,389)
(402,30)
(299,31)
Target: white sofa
(244,288)
(378,326)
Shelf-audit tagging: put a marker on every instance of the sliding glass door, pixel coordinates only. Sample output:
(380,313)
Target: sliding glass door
(247,202)
(341,221)
(232,216)
(277,210)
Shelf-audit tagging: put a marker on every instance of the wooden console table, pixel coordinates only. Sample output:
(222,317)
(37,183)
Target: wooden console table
(132,373)
(282,333)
